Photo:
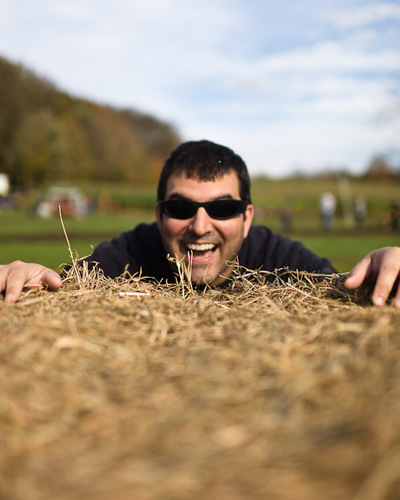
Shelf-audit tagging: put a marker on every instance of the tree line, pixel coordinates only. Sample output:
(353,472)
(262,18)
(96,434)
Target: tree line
(47,135)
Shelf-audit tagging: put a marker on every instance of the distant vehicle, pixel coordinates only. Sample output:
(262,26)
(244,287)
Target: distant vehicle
(69,198)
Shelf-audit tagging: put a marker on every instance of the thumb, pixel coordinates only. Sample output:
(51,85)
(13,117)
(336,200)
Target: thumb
(358,273)
(51,279)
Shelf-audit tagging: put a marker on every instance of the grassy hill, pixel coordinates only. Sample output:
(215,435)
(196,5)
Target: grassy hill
(47,135)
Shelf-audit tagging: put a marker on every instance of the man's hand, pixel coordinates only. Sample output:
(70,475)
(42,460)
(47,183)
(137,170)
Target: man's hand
(381,267)
(18,275)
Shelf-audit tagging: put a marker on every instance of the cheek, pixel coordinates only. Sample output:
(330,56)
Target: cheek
(171,228)
(232,231)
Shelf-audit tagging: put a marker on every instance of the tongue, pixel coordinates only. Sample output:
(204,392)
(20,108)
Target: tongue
(200,254)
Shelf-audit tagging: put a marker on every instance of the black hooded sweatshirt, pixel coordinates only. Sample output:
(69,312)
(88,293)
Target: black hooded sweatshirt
(140,250)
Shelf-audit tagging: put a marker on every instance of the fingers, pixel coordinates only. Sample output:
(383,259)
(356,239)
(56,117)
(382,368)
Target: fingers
(18,275)
(382,267)
(13,291)
(13,280)
(51,279)
(359,273)
(387,272)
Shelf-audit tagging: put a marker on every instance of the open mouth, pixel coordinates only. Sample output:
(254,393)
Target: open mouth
(200,251)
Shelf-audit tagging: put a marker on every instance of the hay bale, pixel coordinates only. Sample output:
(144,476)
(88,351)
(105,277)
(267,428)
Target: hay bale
(123,389)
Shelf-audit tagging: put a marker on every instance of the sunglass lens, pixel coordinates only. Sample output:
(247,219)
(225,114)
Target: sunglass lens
(224,209)
(179,209)
(218,209)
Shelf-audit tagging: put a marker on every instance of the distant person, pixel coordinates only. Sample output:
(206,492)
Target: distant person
(327,206)
(287,217)
(394,215)
(204,217)
(360,212)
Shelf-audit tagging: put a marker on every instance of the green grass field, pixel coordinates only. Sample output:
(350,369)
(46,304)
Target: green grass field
(343,248)
(32,239)
(29,238)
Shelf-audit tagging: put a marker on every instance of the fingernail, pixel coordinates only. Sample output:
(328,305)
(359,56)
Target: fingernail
(378,301)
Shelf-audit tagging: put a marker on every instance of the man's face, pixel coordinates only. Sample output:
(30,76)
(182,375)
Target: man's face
(210,243)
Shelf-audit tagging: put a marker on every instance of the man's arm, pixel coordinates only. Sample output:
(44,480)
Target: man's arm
(18,275)
(381,267)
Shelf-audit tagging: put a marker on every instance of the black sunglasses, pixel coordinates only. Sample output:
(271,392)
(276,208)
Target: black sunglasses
(217,209)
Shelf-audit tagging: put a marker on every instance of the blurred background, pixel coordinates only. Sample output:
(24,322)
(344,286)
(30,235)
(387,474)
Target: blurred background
(94,96)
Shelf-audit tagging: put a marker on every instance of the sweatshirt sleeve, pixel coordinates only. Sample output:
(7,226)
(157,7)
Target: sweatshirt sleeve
(136,251)
(266,250)
(113,257)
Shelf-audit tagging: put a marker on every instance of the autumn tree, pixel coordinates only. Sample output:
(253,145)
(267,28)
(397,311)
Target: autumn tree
(47,135)
(379,168)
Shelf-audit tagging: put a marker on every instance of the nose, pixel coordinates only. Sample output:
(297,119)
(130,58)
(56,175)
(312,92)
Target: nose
(200,222)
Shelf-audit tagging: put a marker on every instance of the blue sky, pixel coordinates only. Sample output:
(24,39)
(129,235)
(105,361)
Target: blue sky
(294,85)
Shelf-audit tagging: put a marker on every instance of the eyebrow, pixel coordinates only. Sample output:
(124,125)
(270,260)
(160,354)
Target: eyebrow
(177,196)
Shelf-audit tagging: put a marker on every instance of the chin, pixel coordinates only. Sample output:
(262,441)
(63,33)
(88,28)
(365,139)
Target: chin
(209,280)
(203,279)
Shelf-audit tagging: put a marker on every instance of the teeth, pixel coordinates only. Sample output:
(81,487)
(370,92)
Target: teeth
(200,247)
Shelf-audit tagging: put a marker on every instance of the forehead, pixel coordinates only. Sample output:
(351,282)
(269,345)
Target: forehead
(195,189)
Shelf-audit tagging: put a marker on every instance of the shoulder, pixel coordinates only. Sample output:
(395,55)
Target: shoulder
(259,247)
(141,234)
(263,232)
(263,248)
(131,248)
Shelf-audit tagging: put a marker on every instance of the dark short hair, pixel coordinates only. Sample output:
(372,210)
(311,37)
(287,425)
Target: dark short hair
(204,161)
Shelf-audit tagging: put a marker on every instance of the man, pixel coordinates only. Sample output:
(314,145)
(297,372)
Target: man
(204,216)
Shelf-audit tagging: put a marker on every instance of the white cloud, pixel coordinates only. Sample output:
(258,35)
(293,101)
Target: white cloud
(331,56)
(369,14)
(307,145)
(260,75)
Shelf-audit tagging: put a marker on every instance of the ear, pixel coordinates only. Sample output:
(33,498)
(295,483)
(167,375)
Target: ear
(158,216)
(248,219)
